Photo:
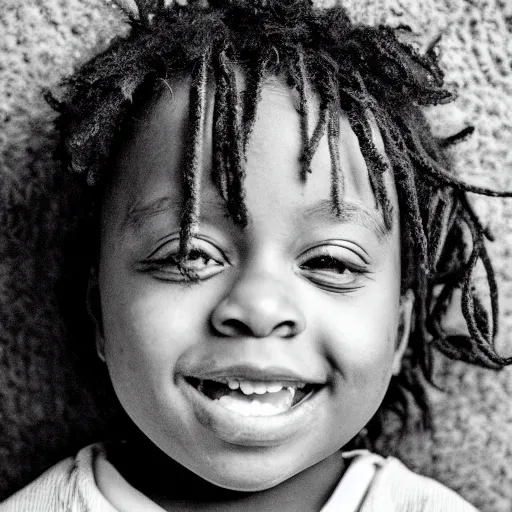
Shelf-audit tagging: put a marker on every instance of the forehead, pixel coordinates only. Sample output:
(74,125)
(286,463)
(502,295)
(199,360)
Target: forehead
(150,165)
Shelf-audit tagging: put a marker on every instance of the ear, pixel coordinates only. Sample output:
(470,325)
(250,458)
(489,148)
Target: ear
(93,303)
(405,320)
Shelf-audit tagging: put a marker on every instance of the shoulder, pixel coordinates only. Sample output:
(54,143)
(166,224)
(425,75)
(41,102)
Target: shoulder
(405,491)
(69,486)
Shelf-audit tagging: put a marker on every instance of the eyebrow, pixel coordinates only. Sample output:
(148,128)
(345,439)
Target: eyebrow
(350,213)
(139,213)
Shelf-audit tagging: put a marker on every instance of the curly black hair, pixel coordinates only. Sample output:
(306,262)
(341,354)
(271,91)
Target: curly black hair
(360,69)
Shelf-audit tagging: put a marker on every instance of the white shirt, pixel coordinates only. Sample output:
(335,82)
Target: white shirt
(370,484)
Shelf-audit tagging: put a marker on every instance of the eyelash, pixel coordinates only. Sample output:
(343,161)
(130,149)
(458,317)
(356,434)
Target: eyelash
(329,258)
(169,268)
(322,265)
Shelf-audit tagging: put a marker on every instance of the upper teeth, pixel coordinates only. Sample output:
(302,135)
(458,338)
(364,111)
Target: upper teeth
(260,387)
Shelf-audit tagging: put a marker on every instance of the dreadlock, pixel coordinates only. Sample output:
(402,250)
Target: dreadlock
(192,175)
(366,71)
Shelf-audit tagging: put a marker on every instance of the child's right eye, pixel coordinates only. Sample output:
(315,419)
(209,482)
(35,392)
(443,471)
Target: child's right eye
(203,261)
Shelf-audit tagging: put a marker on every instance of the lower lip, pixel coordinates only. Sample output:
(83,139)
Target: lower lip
(252,430)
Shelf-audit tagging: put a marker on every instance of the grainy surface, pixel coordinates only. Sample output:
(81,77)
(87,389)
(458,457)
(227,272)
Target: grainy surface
(44,415)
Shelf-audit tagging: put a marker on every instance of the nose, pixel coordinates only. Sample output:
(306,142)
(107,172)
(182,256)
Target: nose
(258,306)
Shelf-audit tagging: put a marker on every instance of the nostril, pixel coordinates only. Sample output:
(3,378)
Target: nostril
(285,329)
(233,327)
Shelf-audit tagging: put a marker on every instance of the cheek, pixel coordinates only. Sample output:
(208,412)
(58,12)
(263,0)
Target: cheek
(148,325)
(359,333)
(360,341)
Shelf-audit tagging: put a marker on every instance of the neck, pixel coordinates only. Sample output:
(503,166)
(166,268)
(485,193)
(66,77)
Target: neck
(149,470)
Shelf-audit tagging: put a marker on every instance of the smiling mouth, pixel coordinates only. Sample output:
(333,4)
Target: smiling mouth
(253,398)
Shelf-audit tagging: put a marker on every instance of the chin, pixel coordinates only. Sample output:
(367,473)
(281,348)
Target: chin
(248,484)
(246,477)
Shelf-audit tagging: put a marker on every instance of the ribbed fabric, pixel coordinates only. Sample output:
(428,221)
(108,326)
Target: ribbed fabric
(69,486)
(399,490)
(371,484)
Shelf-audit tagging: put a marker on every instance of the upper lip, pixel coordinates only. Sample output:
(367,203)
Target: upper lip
(247,372)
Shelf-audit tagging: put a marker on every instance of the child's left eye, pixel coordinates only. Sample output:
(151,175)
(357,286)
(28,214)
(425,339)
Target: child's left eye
(333,268)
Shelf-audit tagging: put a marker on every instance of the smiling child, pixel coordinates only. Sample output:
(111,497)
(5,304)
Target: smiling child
(270,215)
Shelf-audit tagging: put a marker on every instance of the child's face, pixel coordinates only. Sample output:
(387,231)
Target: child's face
(298,297)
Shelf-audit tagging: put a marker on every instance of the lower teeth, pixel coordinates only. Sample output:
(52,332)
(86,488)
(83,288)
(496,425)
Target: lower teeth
(253,408)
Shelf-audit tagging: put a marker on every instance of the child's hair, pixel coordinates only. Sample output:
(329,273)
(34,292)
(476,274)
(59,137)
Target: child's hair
(358,69)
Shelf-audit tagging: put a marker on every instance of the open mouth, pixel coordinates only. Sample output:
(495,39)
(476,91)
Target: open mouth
(253,398)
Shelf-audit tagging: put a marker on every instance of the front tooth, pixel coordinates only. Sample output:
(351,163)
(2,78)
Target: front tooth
(246,387)
(233,384)
(274,387)
(301,385)
(259,388)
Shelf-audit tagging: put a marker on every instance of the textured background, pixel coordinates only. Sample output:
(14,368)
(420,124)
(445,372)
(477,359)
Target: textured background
(44,414)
